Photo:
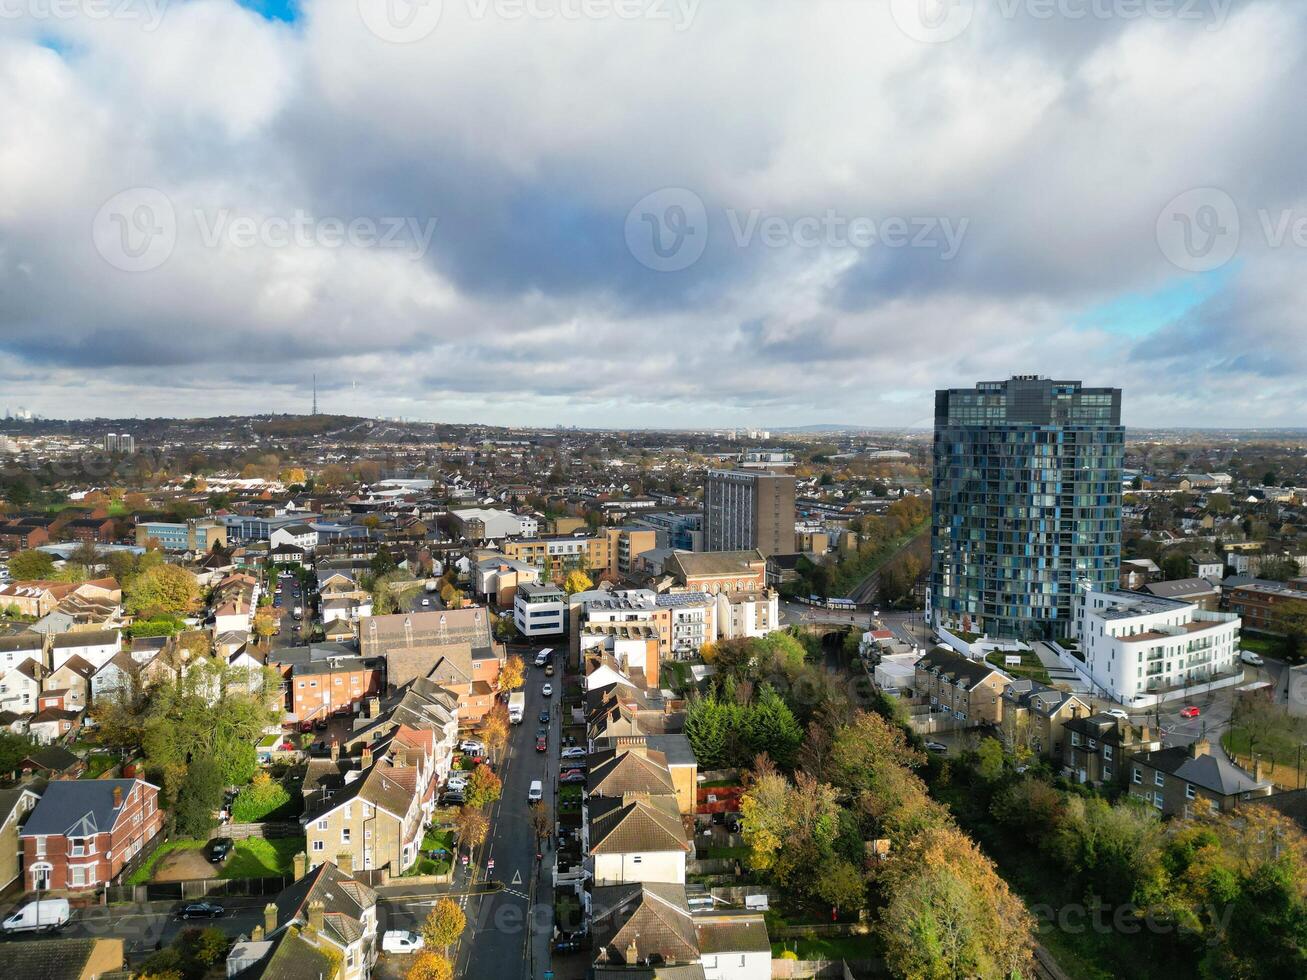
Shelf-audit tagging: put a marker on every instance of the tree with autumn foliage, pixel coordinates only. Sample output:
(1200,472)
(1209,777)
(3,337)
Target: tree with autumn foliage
(444,924)
(949,914)
(472,826)
(483,787)
(495,727)
(430,966)
(512,675)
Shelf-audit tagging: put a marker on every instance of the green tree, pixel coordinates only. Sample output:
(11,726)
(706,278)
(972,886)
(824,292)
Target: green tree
(161,589)
(198,798)
(989,759)
(841,885)
(27,566)
(771,727)
(13,750)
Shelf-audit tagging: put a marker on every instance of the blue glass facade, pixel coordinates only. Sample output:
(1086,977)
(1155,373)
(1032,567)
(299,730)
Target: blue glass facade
(1026,504)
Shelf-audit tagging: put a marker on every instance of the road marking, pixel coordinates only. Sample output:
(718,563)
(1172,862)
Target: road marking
(517,878)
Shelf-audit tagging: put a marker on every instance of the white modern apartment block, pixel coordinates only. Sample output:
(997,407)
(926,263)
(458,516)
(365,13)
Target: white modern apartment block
(483,524)
(539,610)
(1142,649)
(300,536)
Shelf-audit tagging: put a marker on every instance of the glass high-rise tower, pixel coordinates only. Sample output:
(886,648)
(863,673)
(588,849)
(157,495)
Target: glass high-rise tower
(1027,504)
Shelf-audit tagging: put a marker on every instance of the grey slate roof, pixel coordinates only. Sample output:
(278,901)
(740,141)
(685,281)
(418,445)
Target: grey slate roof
(77,808)
(1211,771)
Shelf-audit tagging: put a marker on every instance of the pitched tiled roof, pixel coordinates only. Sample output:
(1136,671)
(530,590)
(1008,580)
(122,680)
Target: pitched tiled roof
(958,670)
(654,918)
(49,959)
(623,825)
(78,807)
(732,932)
(629,772)
(1213,772)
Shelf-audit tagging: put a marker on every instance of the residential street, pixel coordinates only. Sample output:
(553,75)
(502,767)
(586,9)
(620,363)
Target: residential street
(500,924)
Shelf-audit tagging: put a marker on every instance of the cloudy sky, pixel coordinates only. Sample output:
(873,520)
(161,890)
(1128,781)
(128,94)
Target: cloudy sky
(651,212)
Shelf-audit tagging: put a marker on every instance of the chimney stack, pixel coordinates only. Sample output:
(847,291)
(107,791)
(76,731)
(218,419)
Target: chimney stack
(345,861)
(269,919)
(335,750)
(1200,748)
(632,954)
(117,797)
(256,934)
(1145,733)
(367,756)
(300,864)
(374,707)
(316,912)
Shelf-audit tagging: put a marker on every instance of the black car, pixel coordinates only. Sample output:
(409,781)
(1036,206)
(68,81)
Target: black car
(564,946)
(544,717)
(733,824)
(219,848)
(453,799)
(202,910)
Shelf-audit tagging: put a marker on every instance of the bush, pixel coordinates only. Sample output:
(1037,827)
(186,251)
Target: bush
(263,799)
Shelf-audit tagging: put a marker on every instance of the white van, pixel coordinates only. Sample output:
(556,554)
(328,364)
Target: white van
(50,913)
(1250,658)
(543,656)
(534,795)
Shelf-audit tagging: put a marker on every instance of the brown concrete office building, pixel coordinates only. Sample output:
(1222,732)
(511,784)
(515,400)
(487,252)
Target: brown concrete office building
(744,509)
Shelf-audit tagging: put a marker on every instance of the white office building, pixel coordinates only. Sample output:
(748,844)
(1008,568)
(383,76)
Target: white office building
(539,610)
(1141,649)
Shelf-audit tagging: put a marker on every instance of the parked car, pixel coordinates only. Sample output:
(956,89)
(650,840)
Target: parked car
(453,798)
(936,746)
(45,915)
(547,690)
(542,744)
(1252,659)
(219,848)
(202,910)
(733,824)
(575,752)
(567,764)
(401,941)
(471,746)
(572,776)
(1190,711)
(426,602)
(1117,713)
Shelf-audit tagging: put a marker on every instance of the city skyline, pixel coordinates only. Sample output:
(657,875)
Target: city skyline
(743,242)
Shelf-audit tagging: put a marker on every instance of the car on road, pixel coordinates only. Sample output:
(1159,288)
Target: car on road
(218,849)
(1117,713)
(536,793)
(401,941)
(201,910)
(544,717)
(549,670)
(542,744)
(1190,711)
(1252,659)
(547,690)
(575,752)
(936,746)
(572,776)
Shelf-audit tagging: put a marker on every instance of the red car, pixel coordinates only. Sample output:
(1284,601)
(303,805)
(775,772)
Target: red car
(1189,712)
(542,744)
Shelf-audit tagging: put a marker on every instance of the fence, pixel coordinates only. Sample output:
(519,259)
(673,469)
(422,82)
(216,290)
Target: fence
(178,891)
(832,969)
(268,831)
(141,856)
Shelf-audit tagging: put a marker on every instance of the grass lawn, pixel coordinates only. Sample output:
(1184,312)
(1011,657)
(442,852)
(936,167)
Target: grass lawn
(97,764)
(725,853)
(1031,666)
(259,858)
(1263,644)
(427,866)
(146,871)
(436,839)
(719,783)
(831,948)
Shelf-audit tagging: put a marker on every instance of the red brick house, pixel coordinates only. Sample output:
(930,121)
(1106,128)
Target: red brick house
(84,831)
(90,530)
(19,536)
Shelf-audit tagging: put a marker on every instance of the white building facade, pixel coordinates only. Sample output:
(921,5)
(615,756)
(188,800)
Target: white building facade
(1141,649)
(539,610)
